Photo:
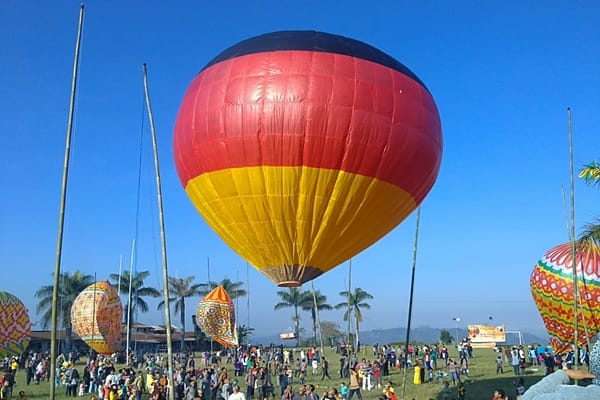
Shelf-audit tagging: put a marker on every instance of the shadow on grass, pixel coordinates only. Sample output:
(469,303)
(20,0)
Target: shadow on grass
(480,386)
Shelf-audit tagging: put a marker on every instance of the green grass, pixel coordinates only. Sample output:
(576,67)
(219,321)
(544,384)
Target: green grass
(480,384)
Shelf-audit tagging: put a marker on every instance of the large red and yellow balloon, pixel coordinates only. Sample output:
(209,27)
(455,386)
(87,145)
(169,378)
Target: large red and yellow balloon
(552,289)
(216,316)
(15,326)
(96,316)
(301,149)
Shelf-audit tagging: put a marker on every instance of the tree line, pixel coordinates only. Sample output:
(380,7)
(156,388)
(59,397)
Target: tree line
(180,289)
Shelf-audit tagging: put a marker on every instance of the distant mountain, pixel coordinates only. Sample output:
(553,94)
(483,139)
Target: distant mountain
(423,334)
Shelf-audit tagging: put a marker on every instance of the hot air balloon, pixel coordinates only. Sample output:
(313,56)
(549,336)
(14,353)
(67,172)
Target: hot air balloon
(216,316)
(96,316)
(15,326)
(301,149)
(552,289)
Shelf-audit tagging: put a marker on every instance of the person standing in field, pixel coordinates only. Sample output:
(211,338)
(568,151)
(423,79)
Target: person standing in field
(236,394)
(453,372)
(354,385)
(325,368)
(499,365)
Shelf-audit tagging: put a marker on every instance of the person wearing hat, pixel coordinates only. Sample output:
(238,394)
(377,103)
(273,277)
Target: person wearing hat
(555,386)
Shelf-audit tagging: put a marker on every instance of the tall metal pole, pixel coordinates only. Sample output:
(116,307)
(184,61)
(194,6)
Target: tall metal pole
(94,308)
(209,285)
(208,270)
(163,237)
(573,250)
(237,304)
(63,202)
(349,300)
(130,301)
(410,299)
(314,293)
(248,292)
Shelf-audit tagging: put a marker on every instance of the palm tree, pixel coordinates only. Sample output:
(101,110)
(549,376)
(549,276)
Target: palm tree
(591,174)
(295,298)
(355,302)
(233,288)
(69,287)
(244,333)
(309,305)
(138,291)
(181,288)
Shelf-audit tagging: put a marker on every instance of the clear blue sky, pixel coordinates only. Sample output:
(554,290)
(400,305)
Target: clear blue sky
(502,75)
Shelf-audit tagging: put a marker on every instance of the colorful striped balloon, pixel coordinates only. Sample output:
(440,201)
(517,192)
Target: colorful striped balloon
(216,316)
(96,315)
(301,149)
(552,291)
(15,326)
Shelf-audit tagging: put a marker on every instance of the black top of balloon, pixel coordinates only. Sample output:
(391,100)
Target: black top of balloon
(312,41)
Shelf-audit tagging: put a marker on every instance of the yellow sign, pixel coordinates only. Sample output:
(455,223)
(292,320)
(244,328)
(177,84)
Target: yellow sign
(485,334)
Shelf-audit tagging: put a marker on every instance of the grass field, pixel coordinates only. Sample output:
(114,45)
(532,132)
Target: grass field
(480,383)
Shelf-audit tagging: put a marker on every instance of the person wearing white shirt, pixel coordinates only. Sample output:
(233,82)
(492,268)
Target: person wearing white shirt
(236,394)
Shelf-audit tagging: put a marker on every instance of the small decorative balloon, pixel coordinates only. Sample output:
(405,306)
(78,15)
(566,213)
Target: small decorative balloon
(301,149)
(96,316)
(552,289)
(15,326)
(216,316)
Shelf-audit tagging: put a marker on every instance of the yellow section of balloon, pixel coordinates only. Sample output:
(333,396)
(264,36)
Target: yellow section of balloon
(96,316)
(295,223)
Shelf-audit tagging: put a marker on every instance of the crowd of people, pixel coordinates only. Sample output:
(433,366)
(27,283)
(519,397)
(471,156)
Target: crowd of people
(267,373)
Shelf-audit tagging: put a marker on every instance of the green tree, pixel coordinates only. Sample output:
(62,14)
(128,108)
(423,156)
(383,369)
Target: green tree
(69,287)
(331,332)
(138,291)
(321,305)
(445,336)
(244,333)
(354,304)
(293,298)
(235,289)
(180,289)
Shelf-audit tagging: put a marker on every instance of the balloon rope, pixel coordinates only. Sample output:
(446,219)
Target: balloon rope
(410,301)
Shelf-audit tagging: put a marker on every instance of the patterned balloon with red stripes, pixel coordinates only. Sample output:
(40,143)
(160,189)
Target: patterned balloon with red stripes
(301,149)
(15,325)
(552,289)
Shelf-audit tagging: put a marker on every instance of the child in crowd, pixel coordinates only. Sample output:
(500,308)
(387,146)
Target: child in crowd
(344,390)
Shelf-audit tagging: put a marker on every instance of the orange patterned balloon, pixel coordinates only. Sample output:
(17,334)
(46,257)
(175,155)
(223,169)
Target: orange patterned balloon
(216,316)
(15,326)
(96,316)
(552,290)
